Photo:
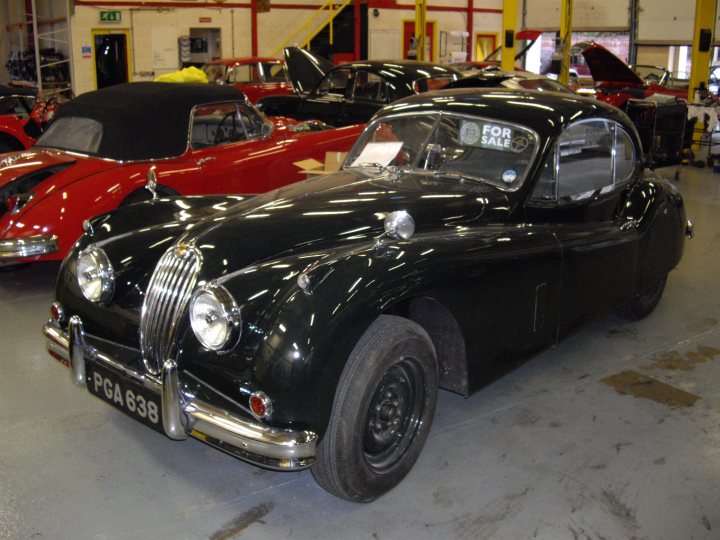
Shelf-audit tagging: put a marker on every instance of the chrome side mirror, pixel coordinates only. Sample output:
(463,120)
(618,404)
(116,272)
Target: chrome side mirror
(399,225)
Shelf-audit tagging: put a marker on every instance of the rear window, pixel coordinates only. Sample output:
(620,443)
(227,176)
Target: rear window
(74,134)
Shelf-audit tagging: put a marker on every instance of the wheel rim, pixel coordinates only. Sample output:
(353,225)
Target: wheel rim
(394,415)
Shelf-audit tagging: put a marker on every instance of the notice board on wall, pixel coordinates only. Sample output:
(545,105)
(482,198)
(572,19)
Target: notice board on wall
(164,42)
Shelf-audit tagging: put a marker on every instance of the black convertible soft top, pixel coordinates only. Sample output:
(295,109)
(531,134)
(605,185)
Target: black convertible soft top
(144,120)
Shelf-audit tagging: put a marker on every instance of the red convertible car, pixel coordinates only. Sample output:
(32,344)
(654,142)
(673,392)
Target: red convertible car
(22,117)
(256,77)
(136,141)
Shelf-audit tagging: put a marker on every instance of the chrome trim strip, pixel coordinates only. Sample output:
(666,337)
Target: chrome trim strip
(56,341)
(173,417)
(28,247)
(283,449)
(76,340)
(278,449)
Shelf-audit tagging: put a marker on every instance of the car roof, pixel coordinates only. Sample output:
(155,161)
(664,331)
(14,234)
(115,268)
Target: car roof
(411,70)
(247,60)
(145,120)
(546,113)
(15,91)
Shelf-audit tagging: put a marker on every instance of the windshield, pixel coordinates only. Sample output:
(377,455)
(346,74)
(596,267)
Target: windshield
(483,149)
(215,72)
(651,74)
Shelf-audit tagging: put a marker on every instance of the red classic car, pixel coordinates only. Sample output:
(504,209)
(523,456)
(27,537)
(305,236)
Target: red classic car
(22,117)
(256,77)
(616,82)
(135,141)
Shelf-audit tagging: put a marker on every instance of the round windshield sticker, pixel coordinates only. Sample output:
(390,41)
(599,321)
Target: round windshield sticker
(519,144)
(469,133)
(509,176)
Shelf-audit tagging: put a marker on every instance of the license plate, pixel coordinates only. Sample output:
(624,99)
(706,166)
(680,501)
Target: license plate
(131,398)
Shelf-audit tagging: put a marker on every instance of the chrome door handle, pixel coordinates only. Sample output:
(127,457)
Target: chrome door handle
(203,161)
(629,225)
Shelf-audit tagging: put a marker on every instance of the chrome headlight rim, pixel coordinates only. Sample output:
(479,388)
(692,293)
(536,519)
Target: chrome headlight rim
(228,313)
(103,272)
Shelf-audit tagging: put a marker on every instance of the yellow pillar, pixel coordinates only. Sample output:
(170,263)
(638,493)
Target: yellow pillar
(509,23)
(566,7)
(701,45)
(420,15)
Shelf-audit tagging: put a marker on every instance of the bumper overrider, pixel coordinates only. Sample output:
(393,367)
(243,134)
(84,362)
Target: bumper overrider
(184,415)
(32,246)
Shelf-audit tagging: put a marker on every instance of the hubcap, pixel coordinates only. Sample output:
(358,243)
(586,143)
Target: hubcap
(394,415)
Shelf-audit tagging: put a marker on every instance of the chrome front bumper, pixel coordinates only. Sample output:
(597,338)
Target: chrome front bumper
(184,415)
(28,247)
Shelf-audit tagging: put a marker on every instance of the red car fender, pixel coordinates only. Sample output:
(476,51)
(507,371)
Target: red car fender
(62,212)
(12,132)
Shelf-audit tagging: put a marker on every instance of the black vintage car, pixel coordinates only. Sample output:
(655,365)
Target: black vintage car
(350,93)
(312,326)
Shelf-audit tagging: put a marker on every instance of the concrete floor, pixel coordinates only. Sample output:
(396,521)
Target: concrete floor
(551,451)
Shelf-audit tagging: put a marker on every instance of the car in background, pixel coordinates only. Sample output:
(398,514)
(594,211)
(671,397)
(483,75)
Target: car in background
(351,93)
(518,80)
(255,77)
(135,141)
(22,117)
(616,82)
(311,327)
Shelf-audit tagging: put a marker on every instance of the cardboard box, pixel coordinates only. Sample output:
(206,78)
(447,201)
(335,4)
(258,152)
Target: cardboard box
(311,166)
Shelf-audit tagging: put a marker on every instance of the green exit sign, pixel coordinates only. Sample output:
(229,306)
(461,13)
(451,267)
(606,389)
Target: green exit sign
(109,16)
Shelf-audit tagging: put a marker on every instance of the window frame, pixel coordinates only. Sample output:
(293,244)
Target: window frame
(253,129)
(618,130)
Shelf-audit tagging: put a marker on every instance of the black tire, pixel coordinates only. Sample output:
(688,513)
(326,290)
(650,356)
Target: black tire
(4,147)
(382,411)
(6,267)
(644,303)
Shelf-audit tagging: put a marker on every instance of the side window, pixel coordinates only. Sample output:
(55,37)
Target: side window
(243,74)
(335,82)
(585,164)
(222,123)
(591,156)
(370,87)
(275,72)
(624,156)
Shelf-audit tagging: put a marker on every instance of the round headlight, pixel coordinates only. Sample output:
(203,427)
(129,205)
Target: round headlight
(95,275)
(215,317)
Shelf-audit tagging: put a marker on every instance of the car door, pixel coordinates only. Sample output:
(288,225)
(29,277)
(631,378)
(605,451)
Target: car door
(369,94)
(225,139)
(580,195)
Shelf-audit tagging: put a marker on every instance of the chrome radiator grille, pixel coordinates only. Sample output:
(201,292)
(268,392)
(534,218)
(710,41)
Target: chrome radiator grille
(165,302)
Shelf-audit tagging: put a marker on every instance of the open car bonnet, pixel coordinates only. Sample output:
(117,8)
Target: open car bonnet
(305,69)
(605,66)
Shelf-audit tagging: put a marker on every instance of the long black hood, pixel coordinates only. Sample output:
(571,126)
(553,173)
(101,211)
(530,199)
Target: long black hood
(343,207)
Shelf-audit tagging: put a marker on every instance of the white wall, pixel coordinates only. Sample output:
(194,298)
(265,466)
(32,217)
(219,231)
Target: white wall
(588,15)
(660,22)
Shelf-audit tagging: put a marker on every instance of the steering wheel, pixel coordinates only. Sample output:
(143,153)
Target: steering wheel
(220,132)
